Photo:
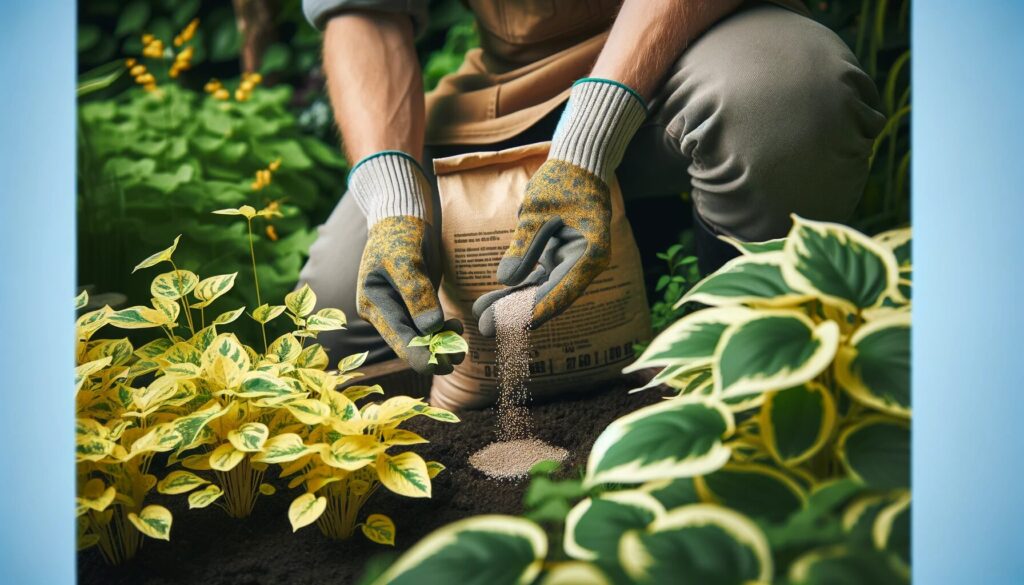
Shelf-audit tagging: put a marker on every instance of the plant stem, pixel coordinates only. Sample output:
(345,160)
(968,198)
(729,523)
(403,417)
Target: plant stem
(256,280)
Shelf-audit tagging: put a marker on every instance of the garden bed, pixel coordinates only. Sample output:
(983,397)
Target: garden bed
(209,547)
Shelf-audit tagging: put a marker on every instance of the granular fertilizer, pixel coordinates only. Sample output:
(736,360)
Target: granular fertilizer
(516,451)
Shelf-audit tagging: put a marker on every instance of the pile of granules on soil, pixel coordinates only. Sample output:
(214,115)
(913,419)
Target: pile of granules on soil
(516,450)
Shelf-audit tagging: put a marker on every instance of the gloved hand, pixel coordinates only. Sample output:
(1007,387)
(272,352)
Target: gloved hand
(563,240)
(396,292)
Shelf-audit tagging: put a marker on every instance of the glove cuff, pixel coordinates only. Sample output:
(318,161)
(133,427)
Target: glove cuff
(598,122)
(389,183)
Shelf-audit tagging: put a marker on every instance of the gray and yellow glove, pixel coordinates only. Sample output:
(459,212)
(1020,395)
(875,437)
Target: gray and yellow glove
(398,274)
(563,240)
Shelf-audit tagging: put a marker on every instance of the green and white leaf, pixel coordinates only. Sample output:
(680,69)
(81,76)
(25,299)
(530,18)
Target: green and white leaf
(462,552)
(758,491)
(876,452)
(874,368)
(677,438)
(704,542)
(594,526)
(747,280)
(775,349)
(796,423)
(692,340)
(838,265)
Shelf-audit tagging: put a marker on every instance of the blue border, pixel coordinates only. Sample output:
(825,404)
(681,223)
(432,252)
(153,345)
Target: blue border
(968,189)
(37,179)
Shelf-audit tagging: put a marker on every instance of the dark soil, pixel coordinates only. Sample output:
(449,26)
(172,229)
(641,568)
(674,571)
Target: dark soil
(207,547)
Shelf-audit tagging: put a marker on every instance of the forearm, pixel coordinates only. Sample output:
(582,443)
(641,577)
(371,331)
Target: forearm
(650,35)
(374,82)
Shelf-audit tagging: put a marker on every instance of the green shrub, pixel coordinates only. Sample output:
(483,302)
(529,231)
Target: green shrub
(785,456)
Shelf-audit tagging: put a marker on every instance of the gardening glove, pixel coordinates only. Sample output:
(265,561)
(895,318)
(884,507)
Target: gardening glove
(397,291)
(563,240)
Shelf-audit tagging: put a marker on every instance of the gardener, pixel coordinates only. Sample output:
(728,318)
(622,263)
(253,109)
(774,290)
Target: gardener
(754,107)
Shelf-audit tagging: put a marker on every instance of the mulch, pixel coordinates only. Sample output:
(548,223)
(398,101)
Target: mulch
(210,548)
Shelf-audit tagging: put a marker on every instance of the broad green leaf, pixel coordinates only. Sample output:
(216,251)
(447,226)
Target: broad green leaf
(750,248)
(692,340)
(283,448)
(161,256)
(594,527)
(179,482)
(405,474)
(246,211)
(138,317)
(226,457)
(672,493)
(301,302)
(212,288)
(153,521)
(751,280)
(797,422)
(229,316)
(482,549)
(286,348)
(706,543)
(755,490)
(379,528)
(876,452)
(775,349)
(305,509)
(250,437)
(326,320)
(266,313)
(875,367)
(681,437)
(841,565)
(204,497)
(173,285)
(839,265)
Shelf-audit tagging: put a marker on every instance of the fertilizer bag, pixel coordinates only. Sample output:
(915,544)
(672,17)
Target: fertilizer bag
(589,343)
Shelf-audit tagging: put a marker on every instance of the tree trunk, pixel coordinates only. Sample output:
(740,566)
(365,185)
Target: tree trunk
(255,20)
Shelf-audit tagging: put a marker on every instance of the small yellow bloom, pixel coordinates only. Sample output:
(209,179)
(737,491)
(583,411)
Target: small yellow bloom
(149,87)
(246,85)
(221,94)
(178,41)
(185,54)
(212,85)
(275,165)
(145,78)
(147,39)
(137,70)
(271,233)
(130,62)
(241,95)
(189,31)
(253,77)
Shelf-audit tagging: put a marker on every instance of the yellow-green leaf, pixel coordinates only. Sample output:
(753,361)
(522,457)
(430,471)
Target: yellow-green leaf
(265,313)
(286,348)
(301,302)
(405,474)
(326,320)
(204,497)
(226,457)
(228,317)
(159,257)
(305,509)
(313,356)
(138,317)
(249,438)
(246,211)
(153,521)
(433,468)
(309,410)
(267,490)
(210,289)
(179,482)
(379,528)
(355,452)
(283,448)
(82,299)
(174,284)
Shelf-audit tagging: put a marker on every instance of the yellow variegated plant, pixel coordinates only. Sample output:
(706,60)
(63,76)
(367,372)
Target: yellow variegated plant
(344,458)
(783,458)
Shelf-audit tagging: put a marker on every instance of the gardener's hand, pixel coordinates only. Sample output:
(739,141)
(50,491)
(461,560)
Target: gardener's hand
(396,292)
(563,240)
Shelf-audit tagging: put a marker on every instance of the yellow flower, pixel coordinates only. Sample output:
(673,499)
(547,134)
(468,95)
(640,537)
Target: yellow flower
(221,94)
(130,62)
(147,39)
(189,31)
(137,70)
(271,233)
(185,55)
(246,85)
(145,78)
(212,85)
(241,95)
(275,165)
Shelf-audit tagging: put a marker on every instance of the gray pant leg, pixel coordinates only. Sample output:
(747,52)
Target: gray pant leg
(332,271)
(766,114)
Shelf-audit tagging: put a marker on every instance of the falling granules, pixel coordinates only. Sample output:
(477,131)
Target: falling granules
(516,450)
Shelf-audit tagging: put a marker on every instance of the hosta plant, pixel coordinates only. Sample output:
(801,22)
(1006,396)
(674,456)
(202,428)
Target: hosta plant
(784,456)
(343,458)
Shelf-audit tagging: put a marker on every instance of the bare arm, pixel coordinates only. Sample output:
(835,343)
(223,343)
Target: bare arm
(374,81)
(649,36)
